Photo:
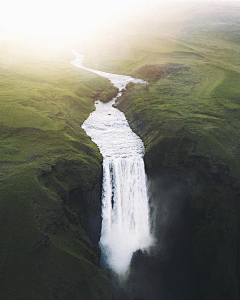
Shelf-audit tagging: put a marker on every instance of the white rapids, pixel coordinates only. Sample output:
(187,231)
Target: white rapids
(125,211)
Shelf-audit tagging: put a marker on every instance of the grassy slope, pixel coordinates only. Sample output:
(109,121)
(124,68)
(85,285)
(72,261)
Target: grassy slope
(189,121)
(45,251)
(201,103)
(136,51)
(43,132)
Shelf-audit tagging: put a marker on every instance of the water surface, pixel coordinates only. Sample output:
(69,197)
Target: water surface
(125,211)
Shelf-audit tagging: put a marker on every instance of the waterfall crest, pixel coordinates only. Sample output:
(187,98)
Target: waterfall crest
(125,211)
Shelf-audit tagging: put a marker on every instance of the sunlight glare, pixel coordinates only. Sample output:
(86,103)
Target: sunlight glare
(59,19)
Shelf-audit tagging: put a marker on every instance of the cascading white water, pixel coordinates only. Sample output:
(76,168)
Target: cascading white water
(125,212)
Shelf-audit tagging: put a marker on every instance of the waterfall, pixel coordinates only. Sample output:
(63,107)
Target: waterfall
(125,225)
(125,211)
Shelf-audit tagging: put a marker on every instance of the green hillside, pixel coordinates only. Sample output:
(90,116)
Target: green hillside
(188,116)
(49,172)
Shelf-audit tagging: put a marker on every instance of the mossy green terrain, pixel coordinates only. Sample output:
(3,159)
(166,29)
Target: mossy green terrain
(193,91)
(49,172)
(201,103)
(188,116)
(136,51)
(189,119)
(189,122)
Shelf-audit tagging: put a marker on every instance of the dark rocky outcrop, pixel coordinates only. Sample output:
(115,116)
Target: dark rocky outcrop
(69,217)
(196,221)
(78,202)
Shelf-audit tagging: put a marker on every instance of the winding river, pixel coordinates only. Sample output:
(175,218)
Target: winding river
(125,211)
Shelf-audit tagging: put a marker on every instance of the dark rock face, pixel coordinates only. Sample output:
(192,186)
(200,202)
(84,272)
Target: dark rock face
(68,216)
(80,204)
(90,202)
(196,201)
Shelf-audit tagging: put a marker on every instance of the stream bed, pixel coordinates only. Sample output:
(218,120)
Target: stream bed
(125,210)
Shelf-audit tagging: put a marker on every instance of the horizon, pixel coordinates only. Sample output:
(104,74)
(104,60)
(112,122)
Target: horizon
(58,24)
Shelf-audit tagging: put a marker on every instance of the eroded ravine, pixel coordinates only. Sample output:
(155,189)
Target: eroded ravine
(125,211)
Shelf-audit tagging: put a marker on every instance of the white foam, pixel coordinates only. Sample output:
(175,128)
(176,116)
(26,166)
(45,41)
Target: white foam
(125,211)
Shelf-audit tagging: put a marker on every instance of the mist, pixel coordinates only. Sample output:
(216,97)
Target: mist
(167,270)
(63,24)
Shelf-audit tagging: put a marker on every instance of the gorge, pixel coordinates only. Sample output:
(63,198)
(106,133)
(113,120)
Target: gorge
(183,185)
(76,148)
(125,212)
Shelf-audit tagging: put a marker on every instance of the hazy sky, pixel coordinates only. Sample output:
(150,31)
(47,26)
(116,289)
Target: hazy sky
(61,19)
(47,18)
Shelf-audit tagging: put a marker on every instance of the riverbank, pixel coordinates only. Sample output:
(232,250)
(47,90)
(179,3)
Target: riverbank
(125,209)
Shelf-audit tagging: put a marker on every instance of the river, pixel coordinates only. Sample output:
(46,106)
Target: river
(125,209)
